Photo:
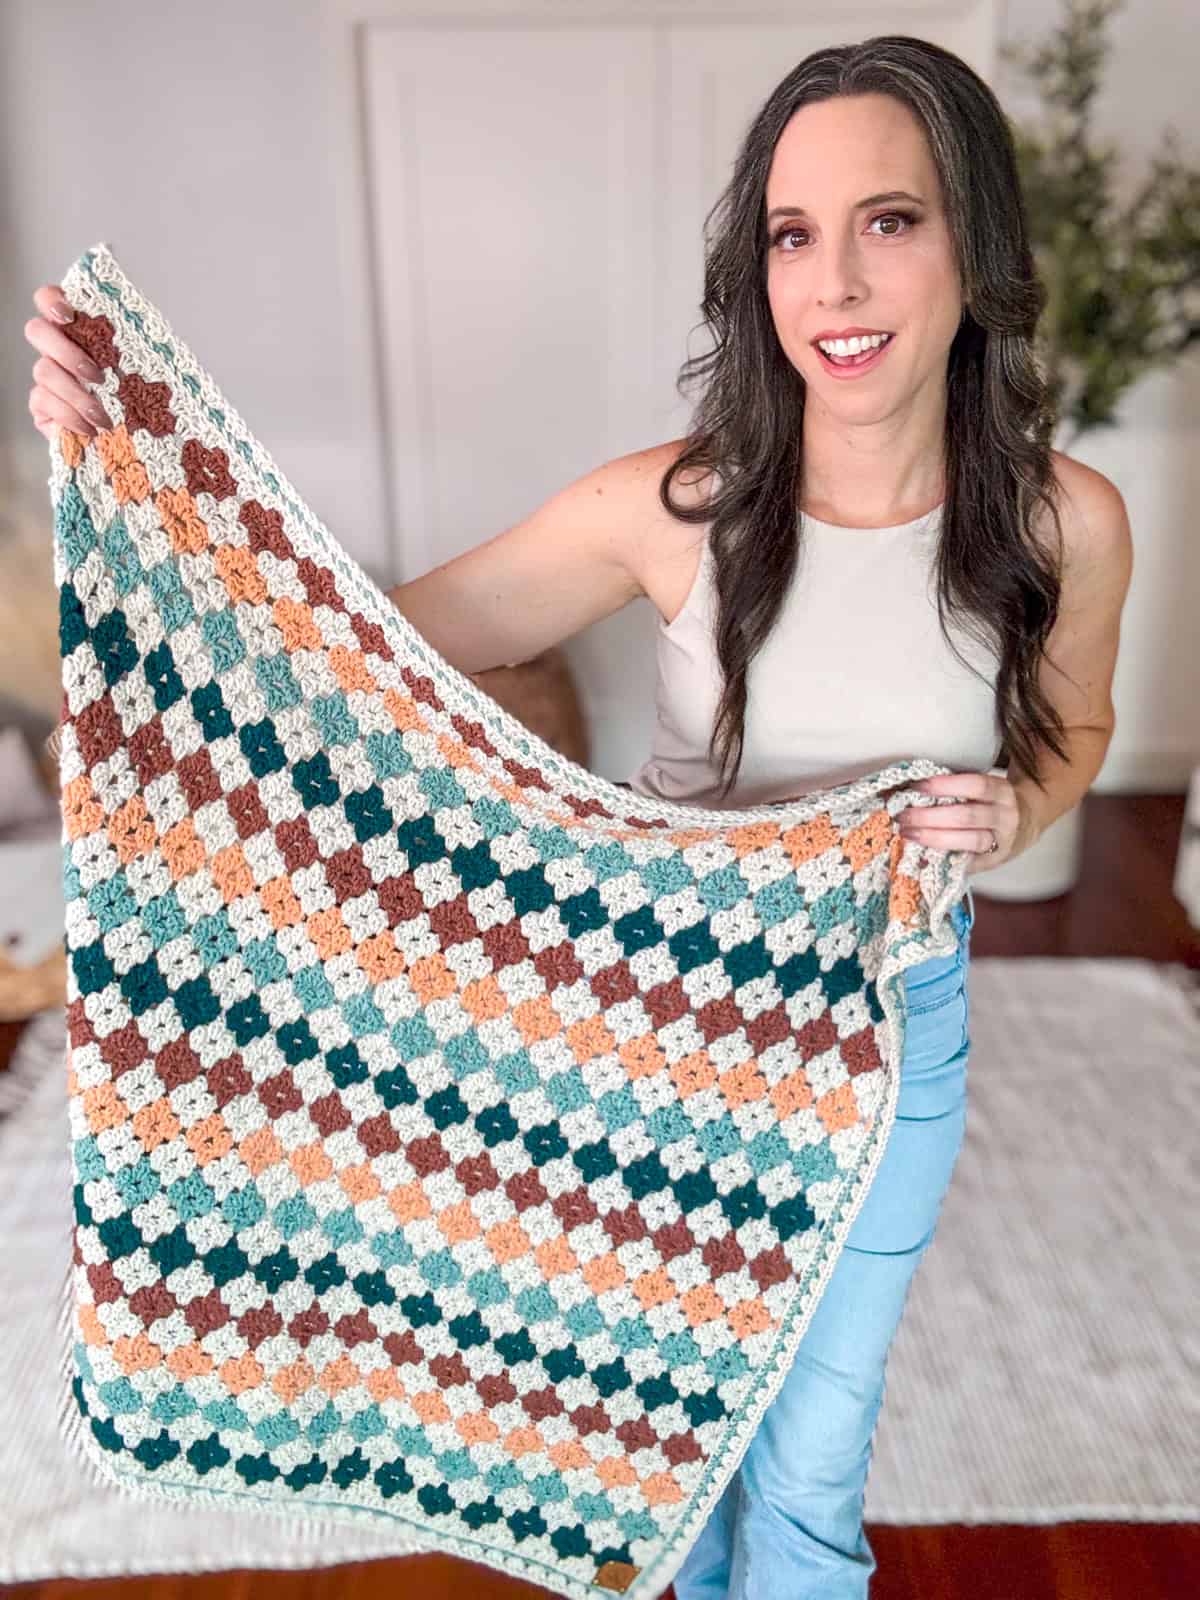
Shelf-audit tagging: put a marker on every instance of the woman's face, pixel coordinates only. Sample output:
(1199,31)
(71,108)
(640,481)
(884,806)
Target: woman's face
(833,264)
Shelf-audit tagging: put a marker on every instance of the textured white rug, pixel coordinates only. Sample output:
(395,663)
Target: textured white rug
(1048,1365)
(1045,1369)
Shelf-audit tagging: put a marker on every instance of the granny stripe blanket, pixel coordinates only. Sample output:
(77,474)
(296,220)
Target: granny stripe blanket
(459,1139)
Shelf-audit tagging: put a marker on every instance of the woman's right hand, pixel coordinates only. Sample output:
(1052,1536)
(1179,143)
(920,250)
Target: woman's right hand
(58,396)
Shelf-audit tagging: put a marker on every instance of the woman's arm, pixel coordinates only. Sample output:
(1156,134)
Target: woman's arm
(1077,678)
(573,561)
(1082,645)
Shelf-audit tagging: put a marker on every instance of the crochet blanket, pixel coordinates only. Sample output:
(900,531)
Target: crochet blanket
(460,1140)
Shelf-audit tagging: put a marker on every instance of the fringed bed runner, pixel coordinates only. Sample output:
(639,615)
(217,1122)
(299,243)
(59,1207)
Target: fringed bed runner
(460,1140)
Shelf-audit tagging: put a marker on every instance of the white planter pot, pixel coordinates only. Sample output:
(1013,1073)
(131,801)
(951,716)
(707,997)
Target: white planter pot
(1047,868)
(1186,880)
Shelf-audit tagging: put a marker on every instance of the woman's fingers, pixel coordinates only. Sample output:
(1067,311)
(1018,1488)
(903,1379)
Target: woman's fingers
(57,381)
(53,303)
(59,394)
(55,346)
(58,397)
(47,409)
(48,337)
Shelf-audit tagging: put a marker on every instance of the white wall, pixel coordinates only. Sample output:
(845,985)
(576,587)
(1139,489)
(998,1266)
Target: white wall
(210,127)
(221,127)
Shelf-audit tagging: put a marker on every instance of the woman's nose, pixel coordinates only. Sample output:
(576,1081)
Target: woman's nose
(839,274)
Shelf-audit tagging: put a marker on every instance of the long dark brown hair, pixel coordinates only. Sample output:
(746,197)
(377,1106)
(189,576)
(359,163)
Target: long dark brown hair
(993,573)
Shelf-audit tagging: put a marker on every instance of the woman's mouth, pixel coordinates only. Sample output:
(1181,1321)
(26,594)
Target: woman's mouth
(854,366)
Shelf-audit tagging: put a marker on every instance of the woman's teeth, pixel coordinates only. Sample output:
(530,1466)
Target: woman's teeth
(849,352)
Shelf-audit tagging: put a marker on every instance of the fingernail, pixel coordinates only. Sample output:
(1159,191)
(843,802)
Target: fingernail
(62,313)
(98,414)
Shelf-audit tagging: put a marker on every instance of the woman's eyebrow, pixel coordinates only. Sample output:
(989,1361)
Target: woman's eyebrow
(871,200)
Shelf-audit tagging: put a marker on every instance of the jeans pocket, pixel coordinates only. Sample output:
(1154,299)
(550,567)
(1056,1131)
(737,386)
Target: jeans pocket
(938,982)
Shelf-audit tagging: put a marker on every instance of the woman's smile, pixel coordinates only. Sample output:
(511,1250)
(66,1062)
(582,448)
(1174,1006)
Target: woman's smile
(853,366)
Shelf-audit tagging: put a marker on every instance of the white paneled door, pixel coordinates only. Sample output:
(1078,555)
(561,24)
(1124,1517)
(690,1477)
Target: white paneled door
(537,179)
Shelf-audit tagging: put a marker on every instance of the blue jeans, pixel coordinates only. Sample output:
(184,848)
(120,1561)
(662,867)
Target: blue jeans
(789,1524)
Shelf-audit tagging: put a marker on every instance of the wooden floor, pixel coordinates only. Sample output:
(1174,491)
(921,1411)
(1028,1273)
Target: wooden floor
(1122,906)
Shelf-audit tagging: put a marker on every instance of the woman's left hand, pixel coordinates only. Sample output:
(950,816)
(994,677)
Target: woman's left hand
(989,804)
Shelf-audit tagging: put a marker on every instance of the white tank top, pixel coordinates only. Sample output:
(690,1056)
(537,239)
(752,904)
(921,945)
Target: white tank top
(854,674)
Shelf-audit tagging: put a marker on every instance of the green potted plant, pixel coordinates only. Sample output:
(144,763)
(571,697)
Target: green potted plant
(1123,287)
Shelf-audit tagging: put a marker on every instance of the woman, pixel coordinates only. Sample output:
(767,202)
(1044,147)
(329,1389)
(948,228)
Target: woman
(798,642)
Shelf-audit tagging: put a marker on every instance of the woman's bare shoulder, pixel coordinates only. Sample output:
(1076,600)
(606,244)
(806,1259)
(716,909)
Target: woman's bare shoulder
(664,552)
(1085,485)
(1091,508)
(691,486)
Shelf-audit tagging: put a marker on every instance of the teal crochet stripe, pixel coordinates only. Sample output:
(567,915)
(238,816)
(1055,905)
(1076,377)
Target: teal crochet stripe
(459,1140)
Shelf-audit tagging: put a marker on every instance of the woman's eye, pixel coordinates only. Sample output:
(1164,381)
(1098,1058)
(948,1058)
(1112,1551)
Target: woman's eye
(789,231)
(896,216)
